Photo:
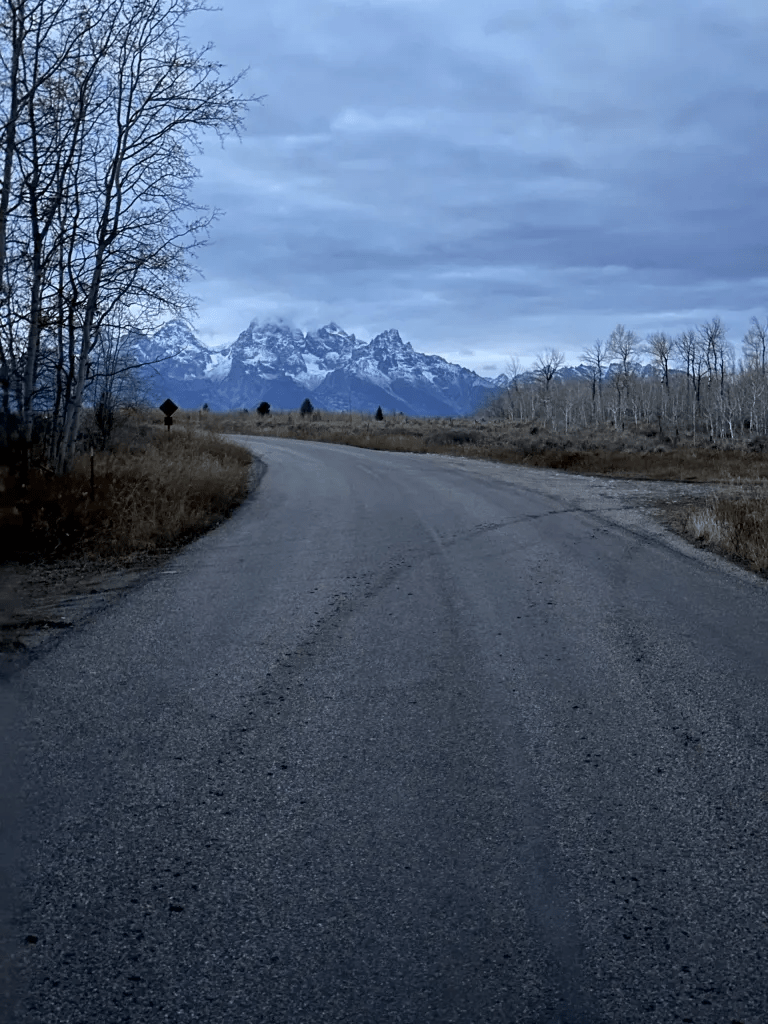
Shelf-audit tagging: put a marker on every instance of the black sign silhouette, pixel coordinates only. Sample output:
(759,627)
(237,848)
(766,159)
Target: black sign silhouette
(168,407)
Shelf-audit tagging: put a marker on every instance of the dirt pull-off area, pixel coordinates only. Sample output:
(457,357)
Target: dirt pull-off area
(38,601)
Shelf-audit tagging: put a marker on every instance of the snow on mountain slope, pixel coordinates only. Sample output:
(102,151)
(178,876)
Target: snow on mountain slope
(278,363)
(183,356)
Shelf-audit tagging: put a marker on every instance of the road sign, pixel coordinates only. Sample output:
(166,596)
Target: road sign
(168,407)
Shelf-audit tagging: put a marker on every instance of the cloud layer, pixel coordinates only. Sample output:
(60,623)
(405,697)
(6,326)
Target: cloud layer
(490,178)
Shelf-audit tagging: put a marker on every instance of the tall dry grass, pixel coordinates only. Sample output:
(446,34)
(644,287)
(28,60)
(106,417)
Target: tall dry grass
(154,491)
(735,524)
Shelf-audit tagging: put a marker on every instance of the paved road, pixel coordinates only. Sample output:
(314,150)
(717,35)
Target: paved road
(408,739)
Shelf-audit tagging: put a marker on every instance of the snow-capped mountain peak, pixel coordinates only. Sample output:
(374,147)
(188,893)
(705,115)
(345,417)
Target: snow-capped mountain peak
(176,352)
(391,337)
(276,362)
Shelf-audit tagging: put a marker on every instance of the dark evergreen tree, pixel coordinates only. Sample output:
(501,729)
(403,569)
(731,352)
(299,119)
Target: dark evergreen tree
(306,408)
(379,414)
(263,409)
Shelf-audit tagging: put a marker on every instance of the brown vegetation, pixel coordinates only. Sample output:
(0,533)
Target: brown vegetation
(151,491)
(734,524)
(635,454)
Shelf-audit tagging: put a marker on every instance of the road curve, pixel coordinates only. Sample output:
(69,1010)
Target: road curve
(408,739)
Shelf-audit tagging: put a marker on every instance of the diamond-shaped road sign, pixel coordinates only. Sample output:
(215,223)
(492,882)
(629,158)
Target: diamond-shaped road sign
(168,407)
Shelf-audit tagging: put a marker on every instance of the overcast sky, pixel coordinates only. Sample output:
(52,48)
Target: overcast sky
(490,178)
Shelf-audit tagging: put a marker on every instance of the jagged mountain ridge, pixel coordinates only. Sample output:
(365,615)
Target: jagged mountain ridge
(280,364)
(276,362)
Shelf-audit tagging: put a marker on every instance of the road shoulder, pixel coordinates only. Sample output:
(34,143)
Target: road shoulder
(41,601)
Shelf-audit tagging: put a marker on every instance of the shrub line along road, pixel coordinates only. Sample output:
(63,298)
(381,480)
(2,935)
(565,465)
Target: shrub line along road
(408,739)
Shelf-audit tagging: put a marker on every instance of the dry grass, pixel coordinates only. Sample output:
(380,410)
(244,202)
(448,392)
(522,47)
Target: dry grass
(734,524)
(152,492)
(636,454)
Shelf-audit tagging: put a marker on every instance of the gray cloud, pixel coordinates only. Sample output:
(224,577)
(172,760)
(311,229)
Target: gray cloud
(490,178)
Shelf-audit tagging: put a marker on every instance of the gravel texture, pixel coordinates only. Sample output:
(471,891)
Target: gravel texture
(408,739)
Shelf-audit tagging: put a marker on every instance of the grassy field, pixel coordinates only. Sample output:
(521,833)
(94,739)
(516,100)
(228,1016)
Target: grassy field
(634,454)
(735,523)
(151,492)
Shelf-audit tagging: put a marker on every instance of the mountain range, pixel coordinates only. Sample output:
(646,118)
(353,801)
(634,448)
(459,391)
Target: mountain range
(280,364)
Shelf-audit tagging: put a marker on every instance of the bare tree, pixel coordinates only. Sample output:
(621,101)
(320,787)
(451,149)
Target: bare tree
(712,335)
(511,400)
(712,389)
(115,385)
(690,352)
(755,345)
(37,42)
(596,358)
(661,348)
(718,357)
(546,365)
(97,227)
(513,368)
(622,345)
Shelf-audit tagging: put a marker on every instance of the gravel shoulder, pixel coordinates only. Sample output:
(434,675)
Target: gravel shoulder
(40,600)
(655,509)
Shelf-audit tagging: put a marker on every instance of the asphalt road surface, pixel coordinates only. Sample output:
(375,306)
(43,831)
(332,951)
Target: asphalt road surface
(408,739)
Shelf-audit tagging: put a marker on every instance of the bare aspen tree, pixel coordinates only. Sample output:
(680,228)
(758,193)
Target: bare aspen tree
(514,397)
(755,345)
(691,349)
(622,345)
(756,389)
(712,336)
(596,358)
(99,229)
(36,39)
(545,367)
(660,347)
(696,381)
(505,403)
(716,354)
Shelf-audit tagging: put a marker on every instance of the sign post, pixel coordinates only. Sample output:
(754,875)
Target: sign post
(168,408)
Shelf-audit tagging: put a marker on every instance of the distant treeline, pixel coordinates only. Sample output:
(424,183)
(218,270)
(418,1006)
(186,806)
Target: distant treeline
(698,385)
